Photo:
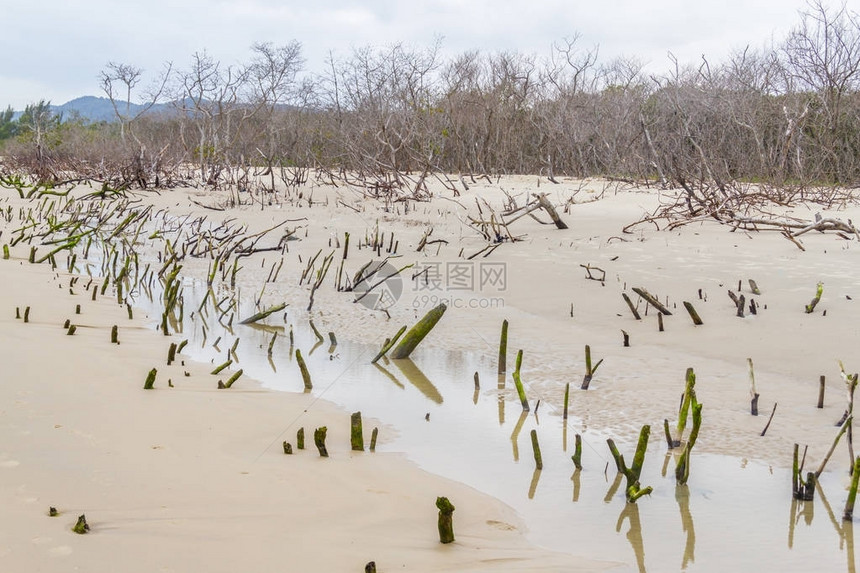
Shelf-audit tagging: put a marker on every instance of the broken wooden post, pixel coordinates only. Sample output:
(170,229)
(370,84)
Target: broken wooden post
(150,379)
(536,450)
(261,315)
(550,210)
(689,396)
(519,383)
(417,333)
(848,515)
(821,392)
(819,290)
(803,490)
(114,334)
(356,436)
(753,394)
(233,378)
(660,323)
(630,305)
(27,314)
(373,436)
(682,470)
(633,490)
(589,369)
(503,349)
(650,299)
(577,452)
(222,366)
(306,376)
(754,287)
(288,449)
(669,441)
(171,353)
(319,440)
(626,338)
(386,346)
(81,525)
(566,397)
(300,439)
(446,520)
(693,314)
(742,301)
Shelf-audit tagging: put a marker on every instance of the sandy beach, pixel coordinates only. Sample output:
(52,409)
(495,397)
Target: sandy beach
(190,477)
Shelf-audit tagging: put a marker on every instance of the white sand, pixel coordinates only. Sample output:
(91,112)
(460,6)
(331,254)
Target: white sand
(192,478)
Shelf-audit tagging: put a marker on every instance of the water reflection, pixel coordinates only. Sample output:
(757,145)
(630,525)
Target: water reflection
(845,530)
(515,435)
(576,479)
(682,496)
(634,534)
(418,379)
(613,489)
(534,483)
(389,375)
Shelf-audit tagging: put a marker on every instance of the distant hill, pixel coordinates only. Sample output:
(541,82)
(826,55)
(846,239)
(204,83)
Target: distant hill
(96,109)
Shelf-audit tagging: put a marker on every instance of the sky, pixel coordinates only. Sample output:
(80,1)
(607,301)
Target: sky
(55,49)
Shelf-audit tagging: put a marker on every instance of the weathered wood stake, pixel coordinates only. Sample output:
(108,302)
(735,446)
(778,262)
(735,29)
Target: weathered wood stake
(819,290)
(821,392)
(521,392)
(693,314)
(503,348)
(446,520)
(373,435)
(150,379)
(114,334)
(319,441)
(848,515)
(300,439)
(306,376)
(536,450)
(356,436)
(81,525)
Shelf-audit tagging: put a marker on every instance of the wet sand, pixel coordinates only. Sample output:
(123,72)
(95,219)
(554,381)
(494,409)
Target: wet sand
(192,466)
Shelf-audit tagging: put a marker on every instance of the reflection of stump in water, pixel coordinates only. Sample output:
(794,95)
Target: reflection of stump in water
(534,483)
(515,435)
(845,529)
(682,496)
(418,379)
(634,534)
(577,483)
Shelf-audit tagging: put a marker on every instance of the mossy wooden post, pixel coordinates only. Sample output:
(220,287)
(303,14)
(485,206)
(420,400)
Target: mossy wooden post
(150,379)
(356,436)
(669,441)
(370,567)
(536,449)
(222,366)
(417,333)
(288,449)
(633,491)
(566,399)
(319,441)
(446,519)
(27,314)
(300,439)
(682,470)
(114,334)
(848,515)
(577,452)
(5,251)
(689,393)
(388,344)
(306,376)
(233,378)
(503,349)
(171,353)
(81,525)
(819,290)
(521,392)
(261,315)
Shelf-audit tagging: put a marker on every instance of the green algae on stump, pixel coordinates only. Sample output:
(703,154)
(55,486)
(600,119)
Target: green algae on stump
(417,333)
(446,521)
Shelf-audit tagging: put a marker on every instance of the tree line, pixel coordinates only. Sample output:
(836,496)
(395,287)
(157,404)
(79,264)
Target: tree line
(388,120)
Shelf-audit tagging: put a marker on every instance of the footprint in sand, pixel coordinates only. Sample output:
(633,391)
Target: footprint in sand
(500,525)
(10,464)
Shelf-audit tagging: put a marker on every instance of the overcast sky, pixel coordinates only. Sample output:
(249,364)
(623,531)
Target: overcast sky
(54,49)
